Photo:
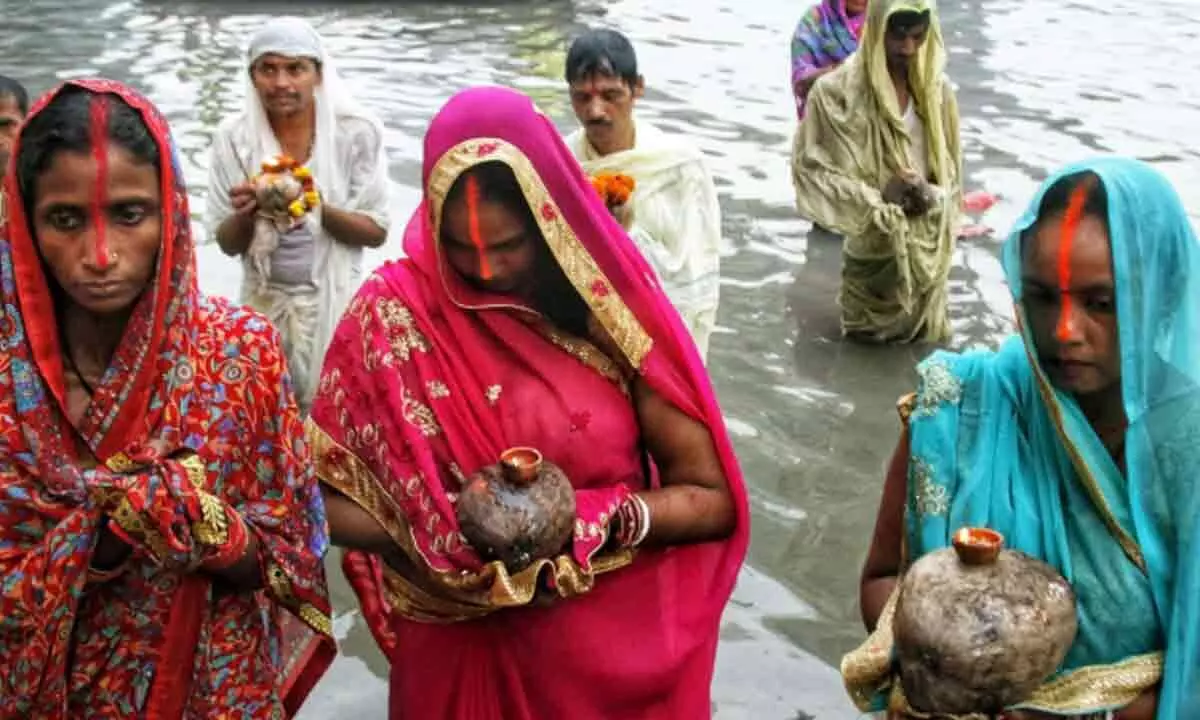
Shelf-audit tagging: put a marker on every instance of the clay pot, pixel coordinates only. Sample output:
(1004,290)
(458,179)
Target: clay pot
(517,511)
(979,628)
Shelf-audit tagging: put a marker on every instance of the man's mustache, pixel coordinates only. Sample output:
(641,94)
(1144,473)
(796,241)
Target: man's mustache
(598,123)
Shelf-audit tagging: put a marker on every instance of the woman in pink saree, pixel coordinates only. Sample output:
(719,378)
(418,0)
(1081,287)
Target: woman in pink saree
(523,315)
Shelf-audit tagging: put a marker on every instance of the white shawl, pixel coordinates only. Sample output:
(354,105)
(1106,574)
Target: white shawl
(676,218)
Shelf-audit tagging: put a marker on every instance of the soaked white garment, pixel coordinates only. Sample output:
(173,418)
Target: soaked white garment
(676,219)
(349,166)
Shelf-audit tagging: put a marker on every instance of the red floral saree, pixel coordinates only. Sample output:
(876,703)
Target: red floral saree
(157,637)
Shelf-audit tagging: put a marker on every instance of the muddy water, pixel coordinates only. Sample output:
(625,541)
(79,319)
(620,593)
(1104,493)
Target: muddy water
(1040,83)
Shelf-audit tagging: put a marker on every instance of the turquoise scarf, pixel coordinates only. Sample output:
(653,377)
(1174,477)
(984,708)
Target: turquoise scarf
(994,445)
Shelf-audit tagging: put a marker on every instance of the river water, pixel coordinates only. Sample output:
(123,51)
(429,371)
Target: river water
(1040,83)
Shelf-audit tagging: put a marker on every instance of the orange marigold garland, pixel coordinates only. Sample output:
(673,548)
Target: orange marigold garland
(614,188)
(309,197)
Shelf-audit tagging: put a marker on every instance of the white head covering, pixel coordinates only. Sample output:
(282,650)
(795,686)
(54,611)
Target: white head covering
(294,37)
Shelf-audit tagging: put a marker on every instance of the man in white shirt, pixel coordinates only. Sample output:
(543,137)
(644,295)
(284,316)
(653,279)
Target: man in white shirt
(296,105)
(673,214)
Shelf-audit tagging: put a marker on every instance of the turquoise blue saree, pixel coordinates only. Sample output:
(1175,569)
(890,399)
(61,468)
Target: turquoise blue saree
(994,444)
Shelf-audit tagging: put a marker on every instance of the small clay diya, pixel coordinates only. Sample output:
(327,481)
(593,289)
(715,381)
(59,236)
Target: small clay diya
(521,465)
(978,546)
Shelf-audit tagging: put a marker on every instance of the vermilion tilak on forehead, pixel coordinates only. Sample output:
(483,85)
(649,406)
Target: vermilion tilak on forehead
(1070,226)
(98,130)
(485,268)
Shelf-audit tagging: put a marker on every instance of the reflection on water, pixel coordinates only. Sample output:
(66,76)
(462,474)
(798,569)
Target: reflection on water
(812,416)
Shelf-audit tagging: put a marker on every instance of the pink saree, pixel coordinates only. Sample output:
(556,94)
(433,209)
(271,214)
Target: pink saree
(428,379)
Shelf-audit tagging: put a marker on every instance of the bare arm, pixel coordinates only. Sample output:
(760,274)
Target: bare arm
(231,203)
(235,232)
(352,228)
(353,528)
(885,557)
(694,504)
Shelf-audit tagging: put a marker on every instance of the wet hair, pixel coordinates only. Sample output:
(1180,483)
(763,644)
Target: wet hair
(554,295)
(602,52)
(65,125)
(10,88)
(905,21)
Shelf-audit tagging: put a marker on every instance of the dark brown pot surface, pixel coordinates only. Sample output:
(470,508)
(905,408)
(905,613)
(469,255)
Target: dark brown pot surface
(517,511)
(979,629)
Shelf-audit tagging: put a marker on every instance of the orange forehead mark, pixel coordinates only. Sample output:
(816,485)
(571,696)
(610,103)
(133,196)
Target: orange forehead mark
(98,130)
(1070,226)
(485,268)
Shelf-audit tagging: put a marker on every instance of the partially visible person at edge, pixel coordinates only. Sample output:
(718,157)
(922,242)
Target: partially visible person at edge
(14,106)
(523,315)
(1077,440)
(877,160)
(827,34)
(158,512)
(297,105)
(673,215)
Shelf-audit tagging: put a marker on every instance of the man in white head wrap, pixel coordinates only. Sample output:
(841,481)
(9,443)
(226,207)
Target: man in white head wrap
(297,105)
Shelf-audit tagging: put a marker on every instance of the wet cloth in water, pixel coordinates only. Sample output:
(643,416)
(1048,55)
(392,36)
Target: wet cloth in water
(851,142)
(994,444)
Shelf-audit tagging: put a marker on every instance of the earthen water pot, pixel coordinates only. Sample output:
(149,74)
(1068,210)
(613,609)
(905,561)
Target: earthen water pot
(979,628)
(517,511)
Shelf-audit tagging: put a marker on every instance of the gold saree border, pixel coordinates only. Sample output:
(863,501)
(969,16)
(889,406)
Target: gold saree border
(586,352)
(869,670)
(576,262)
(1126,541)
(458,595)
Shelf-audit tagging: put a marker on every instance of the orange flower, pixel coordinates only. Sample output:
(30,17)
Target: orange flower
(279,164)
(614,188)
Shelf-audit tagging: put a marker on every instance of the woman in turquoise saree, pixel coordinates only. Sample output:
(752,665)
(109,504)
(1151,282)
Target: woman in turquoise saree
(1079,440)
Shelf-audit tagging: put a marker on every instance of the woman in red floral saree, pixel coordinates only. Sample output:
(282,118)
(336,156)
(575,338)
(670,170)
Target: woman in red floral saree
(523,315)
(158,516)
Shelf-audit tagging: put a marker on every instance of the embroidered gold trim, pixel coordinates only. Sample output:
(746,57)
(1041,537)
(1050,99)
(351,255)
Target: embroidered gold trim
(576,262)
(419,415)
(868,672)
(455,595)
(281,588)
(905,407)
(132,522)
(121,463)
(1099,687)
(212,529)
(585,352)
